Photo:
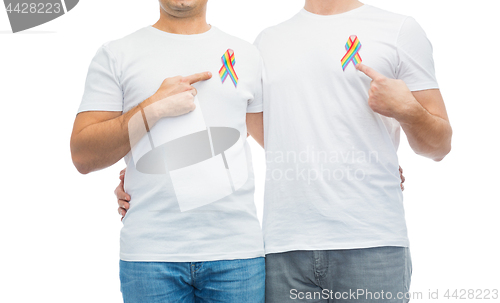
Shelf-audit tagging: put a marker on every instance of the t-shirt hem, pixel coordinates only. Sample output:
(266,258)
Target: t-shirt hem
(191,258)
(254,110)
(423,86)
(282,249)
(100,107)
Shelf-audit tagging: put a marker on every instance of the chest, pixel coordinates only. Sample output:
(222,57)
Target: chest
(319,55)
(144,72)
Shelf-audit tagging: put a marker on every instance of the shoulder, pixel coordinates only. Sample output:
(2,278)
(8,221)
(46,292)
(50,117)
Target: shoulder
(392,26)
(118,47)
(390,20)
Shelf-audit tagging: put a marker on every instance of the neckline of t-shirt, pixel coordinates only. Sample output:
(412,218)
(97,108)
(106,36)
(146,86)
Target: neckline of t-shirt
(307,13)
(206,34)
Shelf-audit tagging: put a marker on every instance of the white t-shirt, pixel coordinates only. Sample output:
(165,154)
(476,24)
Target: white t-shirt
(332,178)
(191,177)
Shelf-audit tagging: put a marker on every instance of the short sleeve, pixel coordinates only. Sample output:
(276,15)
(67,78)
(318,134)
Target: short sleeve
(258,40)
(255,104)
(103,91)
(416,64)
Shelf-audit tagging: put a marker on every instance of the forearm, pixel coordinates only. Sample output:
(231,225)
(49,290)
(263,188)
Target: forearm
(100,139)
(428,135)
(102,144)
(255,127)
(422,114)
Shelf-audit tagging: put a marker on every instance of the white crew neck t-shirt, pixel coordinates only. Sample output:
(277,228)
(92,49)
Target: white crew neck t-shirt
(191,178)
(332,179)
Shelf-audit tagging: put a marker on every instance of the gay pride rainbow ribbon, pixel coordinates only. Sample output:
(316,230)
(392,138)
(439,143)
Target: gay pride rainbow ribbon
(352,46)
(227,68)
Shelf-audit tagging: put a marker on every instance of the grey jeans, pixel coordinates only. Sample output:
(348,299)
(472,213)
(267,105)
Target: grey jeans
(379,274)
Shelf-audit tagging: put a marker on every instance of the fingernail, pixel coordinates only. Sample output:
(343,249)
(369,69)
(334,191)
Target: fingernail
(209,74)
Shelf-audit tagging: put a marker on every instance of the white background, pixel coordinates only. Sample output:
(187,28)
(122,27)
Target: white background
(59,230)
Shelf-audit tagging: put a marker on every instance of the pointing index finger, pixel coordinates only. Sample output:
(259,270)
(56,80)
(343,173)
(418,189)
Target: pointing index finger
(370,72)
(198,77)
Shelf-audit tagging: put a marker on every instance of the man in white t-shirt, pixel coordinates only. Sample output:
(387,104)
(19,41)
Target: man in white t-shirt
(341,79)
(333,213)
(191,233)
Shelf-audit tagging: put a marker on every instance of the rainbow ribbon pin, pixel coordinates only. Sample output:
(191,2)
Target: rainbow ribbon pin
(352,46)
(227,68)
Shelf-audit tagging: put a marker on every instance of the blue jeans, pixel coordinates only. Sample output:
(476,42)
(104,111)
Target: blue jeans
(379,274)
(230,281)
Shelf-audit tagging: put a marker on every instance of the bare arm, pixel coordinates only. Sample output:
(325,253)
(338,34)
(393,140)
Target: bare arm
(100,139)
(422,114)
(427,127)
(255,127)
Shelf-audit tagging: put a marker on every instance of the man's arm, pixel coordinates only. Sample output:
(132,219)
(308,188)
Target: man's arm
(422,114)
(428,130)
(255,127)
(100,139)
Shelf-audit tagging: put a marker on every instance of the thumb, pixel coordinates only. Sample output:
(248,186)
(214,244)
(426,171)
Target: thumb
(370,72)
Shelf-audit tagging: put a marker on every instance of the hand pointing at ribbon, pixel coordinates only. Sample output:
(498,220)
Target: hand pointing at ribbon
(388,97)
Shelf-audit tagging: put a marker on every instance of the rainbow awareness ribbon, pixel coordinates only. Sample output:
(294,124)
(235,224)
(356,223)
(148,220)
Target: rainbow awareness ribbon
(352,46)
(227,68)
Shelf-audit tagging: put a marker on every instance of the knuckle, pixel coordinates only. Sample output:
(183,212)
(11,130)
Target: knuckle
(171,81)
